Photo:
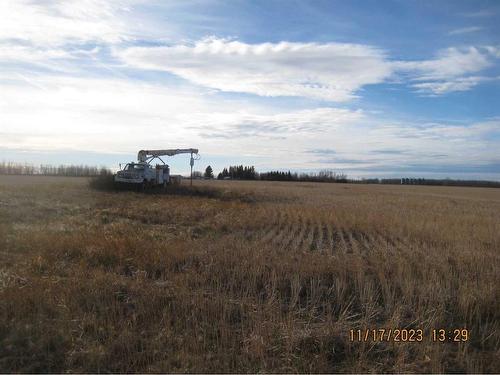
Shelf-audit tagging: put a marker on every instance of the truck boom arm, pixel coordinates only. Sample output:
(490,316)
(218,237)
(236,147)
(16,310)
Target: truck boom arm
(144,155)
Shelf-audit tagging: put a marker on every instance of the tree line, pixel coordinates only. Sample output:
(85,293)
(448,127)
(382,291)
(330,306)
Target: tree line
(240,172)
(321,176)
(13,168)
(428,181)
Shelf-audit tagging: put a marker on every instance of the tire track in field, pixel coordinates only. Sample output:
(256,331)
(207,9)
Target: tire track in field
(320,236)
(300,240)
(283,229)
(352,244)
(393,244)
(310,242)
(289,228)
(344,241)
(374,242)
(339,244)
(328,234)
(290,232)
(360,242)
(271,229)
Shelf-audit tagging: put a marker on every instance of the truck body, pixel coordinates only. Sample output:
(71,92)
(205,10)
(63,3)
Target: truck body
(143,175)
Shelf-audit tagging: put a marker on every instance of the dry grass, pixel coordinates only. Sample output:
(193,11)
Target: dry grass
(101,281)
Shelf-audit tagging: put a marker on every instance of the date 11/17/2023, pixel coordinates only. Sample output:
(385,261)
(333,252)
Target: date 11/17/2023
(409,335)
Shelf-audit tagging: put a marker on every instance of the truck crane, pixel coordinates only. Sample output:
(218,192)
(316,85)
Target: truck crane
(143,175)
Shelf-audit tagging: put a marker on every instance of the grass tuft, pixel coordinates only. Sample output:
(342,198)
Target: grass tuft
(103,182)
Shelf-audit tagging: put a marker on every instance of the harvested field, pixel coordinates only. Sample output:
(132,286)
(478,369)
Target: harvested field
(261,276)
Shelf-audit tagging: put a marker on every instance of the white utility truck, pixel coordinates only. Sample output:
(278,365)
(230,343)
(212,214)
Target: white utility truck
(143,175)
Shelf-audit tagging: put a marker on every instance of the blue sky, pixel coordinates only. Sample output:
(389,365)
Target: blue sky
(369,88)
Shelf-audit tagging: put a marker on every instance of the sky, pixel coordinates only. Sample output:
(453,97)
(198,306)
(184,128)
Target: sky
(367,88)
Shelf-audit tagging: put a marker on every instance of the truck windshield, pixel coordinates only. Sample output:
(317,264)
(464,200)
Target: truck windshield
(132,167)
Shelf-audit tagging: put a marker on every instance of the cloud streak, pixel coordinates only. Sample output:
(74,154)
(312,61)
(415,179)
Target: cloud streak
(453,69)
(331,71)
(54,23)
(436,88)
(465,30)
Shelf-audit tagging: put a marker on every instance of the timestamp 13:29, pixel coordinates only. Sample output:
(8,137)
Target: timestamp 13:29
(408,335)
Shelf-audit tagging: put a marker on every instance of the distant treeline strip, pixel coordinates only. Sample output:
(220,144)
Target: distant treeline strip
(428,181)
(13,168)
(322,176)
(240,172)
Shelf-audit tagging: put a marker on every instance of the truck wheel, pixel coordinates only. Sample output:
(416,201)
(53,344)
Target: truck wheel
(142,186)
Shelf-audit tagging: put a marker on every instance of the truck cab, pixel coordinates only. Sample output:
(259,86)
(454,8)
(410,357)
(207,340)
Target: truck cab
(143,174)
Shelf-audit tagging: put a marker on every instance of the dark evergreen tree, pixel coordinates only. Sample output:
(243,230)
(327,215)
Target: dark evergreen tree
(209,172)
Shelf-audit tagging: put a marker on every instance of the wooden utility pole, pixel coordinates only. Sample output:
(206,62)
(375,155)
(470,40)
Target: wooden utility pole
(191,163)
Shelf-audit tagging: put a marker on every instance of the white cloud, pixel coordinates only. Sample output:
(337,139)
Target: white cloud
(54,22)
(89,114)
(331,71)
(53,34)
(480,13)
(443,87)
(57,35)
(465,30)
(494,51)
(449,63)
(46,58)
(450,71)
(106,115)
(244,124)
(390,145)
(23,53)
